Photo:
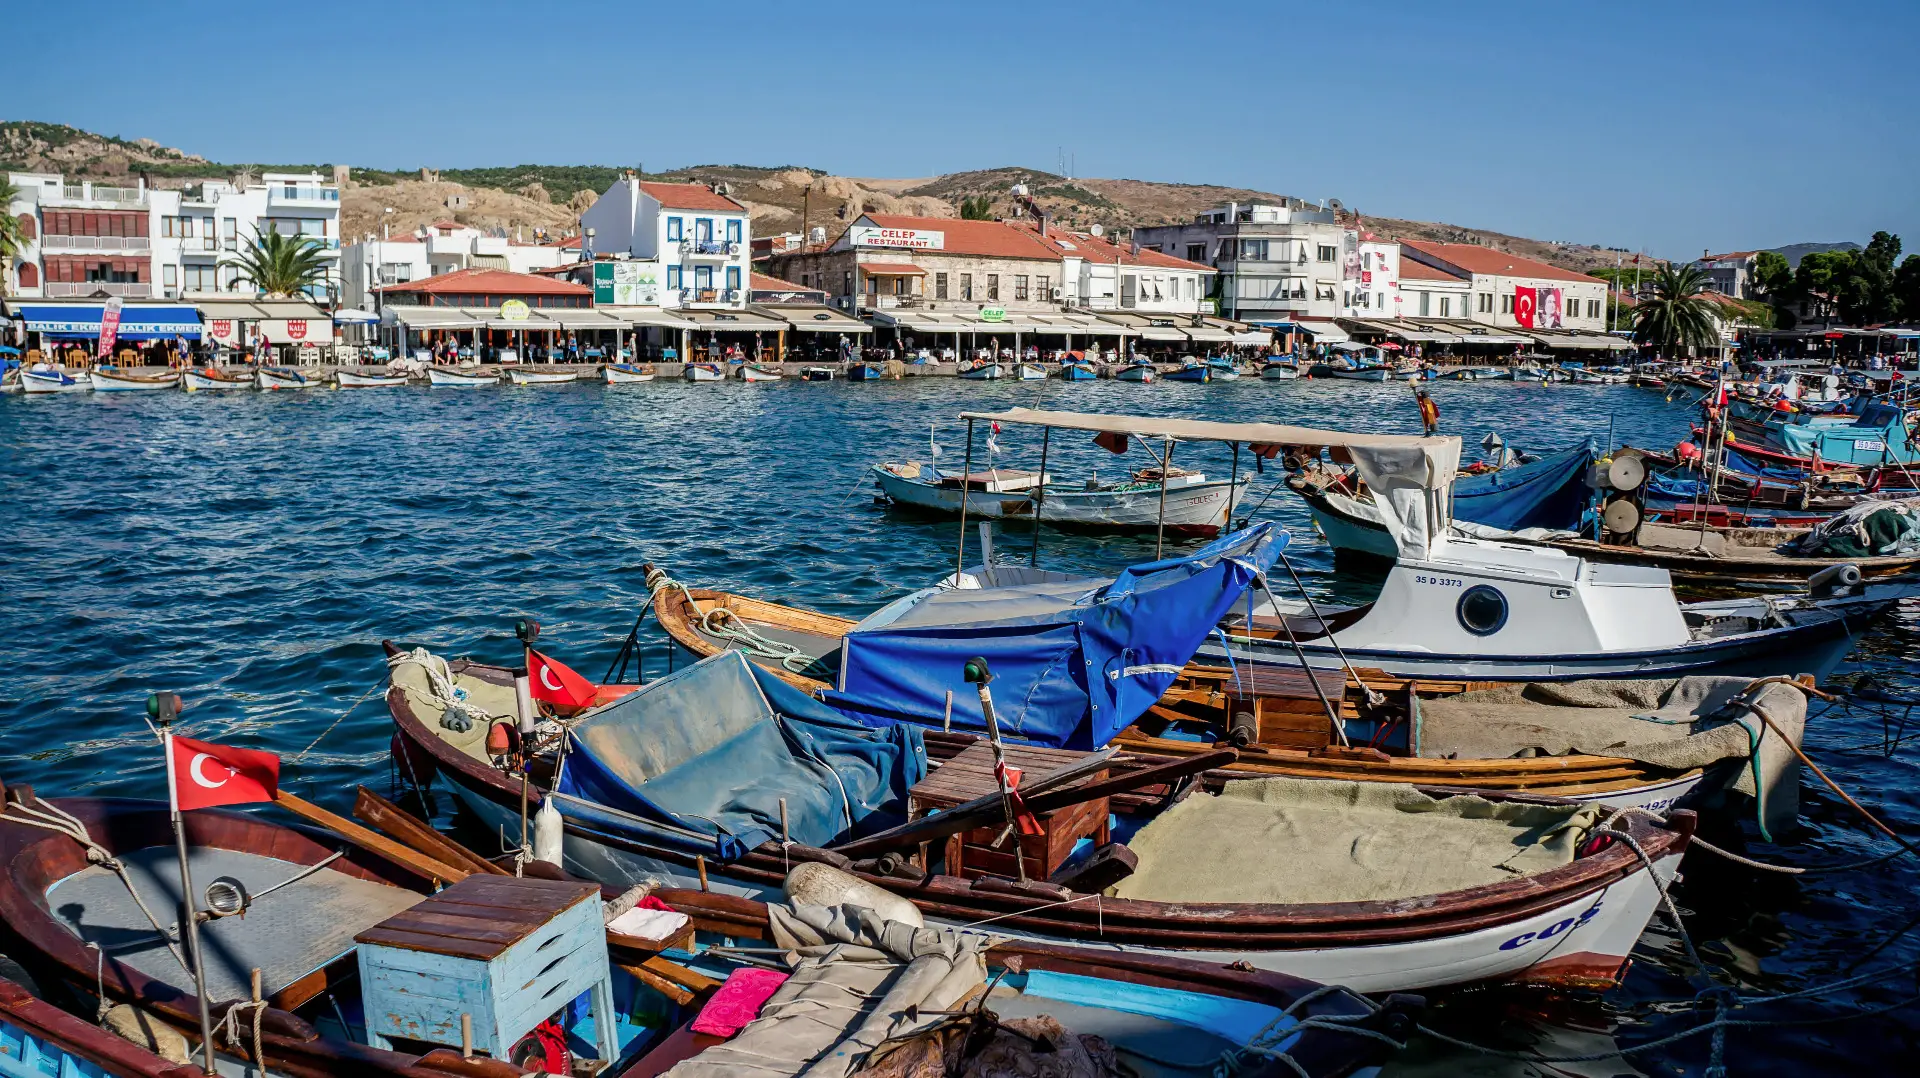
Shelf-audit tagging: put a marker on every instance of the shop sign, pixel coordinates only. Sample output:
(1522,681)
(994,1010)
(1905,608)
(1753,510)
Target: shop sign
(993,314)
(626,284)
(514,310)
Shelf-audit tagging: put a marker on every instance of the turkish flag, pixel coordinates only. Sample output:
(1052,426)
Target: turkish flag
(1523,299)
(551,681)
(206,775)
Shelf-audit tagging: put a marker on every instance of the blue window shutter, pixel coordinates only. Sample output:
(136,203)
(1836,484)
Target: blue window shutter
(673,276)
(733,277)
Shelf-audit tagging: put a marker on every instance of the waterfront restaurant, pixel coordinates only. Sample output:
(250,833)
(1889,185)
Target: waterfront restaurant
(68,331)
(497,316)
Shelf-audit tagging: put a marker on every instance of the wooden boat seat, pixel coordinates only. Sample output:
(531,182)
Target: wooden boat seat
(288,934)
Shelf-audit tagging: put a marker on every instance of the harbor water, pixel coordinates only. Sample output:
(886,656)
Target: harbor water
(250,550)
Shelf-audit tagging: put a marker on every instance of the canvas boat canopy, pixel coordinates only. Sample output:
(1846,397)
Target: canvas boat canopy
(1074,662)
(1411,476)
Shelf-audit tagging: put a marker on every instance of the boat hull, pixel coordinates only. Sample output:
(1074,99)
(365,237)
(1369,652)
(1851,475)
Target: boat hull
(616,374)
(104,382)
(272,379)
(1190,374)
(355,380)
(864,372)
(1279,372)
(196,381)
(1031,372)
(1198,509)
(986,372)
(702,372)
(1078,372)
(754,373)
(35,382)
(521,377)
(442,378)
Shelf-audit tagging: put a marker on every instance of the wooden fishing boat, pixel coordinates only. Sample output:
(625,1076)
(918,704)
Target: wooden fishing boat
(41,1039)
(347,379)
(981,371)
(1193,505)
(618,374)
(1702,554)
(116,381)
(1573,924)
(1293,737)
(529,376)
(1030,372)
(52,380)
(1191,372)
(816,374)
(1078,371)
(213,378)
(459,377)
(865,372)
(1279,371)
(1350,373)
(283,378)
(758,372)
(703,372)
(1137,372)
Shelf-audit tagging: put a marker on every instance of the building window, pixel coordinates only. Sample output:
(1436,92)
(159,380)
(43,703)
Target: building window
(673,277)
(167,279)
(939,286)
(1328,254)
(26,227)
(703,230)
(29,275)
(703,278)
(1196,252)
(1446,307)
(200,279)
(1593,308)
(993,287)
(733,232)
(966,287)
(1366,260)
(174,228)
(229,233)
(733,278)
(1253,250)
(1020,286)
(1043,288)
(1486,303)
(1506,303)
(673,230)
(846,283)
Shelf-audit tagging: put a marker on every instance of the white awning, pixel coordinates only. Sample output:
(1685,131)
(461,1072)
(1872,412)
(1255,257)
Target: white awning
(734,322)
(1253,337)
(813,318)
(1206,333)
(433,317)
(1161,333)
(647,316)
(245,312)
(1323,332)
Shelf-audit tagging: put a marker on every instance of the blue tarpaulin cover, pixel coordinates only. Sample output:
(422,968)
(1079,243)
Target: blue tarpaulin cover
(1549,493)
(1073,662)
(701,758)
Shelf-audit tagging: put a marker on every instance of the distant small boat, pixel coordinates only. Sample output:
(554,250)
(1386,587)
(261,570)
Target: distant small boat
(522,376)
(1279,371)
(347,379)
(864,372)
(1192,372)
(1079,372)
(817,374)
(1351,374)
(758,372)
(1224,370)
(1414,374)
(116,382)
(703,372)
(214,378)
(52,380)
(282,378)
(1138,372)
(619,374)
(1030,372)
(1529,374)
(982,371)
(455,377)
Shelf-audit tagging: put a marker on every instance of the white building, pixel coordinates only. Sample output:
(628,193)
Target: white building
(1374,291)
(1513,292)
(1426,292)
(442,247)
(1276,261)
(697,234)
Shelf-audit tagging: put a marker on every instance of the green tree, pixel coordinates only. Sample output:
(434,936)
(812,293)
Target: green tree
(977,208)
(12,236)
(1872,289)
(1906,290)
(1772,275)
(278,265)
(1676,313)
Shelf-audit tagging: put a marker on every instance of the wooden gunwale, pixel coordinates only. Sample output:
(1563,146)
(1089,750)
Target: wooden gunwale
(1732,568)
(1167,924)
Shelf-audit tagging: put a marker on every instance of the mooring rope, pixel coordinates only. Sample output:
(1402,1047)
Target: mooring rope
(725,625)
(49,817)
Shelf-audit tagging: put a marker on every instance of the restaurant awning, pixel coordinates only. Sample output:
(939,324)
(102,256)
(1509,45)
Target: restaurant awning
(733,321)
(581,318)
(288,308)
(1253,338)
(136,323)
(234,309)
(1323,332)
(647,316)
(891,269)
(813,318)
(434,318)
(1207,333)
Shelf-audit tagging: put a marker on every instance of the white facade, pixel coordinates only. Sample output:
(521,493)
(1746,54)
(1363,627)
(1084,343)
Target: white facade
(1376,293)
(1503,285)
(700,237)
(1275,260)
(437,249)
(1431,294)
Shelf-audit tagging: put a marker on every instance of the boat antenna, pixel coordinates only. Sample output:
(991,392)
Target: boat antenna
(162,709)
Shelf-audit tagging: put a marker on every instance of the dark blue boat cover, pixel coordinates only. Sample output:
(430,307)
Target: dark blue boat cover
(1073,662)
(1549,493)
(707,753)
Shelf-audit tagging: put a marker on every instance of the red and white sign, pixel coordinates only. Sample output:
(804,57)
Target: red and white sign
(204,775)
(297,330)
(1523,300)
(224,330)
(109,326)
(910,238)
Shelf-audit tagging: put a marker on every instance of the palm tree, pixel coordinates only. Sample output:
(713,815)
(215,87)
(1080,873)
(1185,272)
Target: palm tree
(12,236)
(1676,315)
(279,265)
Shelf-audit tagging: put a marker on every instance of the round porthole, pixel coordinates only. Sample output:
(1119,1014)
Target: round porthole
(1482,610)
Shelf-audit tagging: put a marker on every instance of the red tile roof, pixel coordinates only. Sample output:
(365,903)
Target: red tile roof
(1420,271)
(1476,259)
(1098,249)
(761,282)
(987,239)
(690,196)
(464,282)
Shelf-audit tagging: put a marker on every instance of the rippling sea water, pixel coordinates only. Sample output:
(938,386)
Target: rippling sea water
(250,551)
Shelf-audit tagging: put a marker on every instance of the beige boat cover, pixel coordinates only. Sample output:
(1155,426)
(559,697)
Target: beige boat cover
(857,982)
(428,681)
(1287,840)
(1680,723)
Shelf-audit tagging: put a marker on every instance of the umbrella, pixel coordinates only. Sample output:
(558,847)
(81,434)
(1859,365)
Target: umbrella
(349,316)
(8,350)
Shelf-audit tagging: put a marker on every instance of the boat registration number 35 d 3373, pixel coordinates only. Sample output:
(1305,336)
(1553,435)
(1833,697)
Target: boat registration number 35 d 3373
(1438,581)
(1552,930)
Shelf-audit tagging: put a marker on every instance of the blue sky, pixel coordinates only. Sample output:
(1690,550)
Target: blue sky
(1671,126)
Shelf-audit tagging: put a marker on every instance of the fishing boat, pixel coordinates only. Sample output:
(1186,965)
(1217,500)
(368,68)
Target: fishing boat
(528,376)
(1414,374)
(1223,368)
(459,377)
(758,372)
(283,378)
(816,374)
(1078,371)
(1188,503)
(1349,372)
(1702,554)
(864,372)
(107,380)
(1530,374)
(1029,372)
(1564,911)
(1279,370)
(1137,371)
(347,379)
(982,371)
(41,378)
(703,372)
(213,378)
(619,374)
(1877,437)
(1190,371)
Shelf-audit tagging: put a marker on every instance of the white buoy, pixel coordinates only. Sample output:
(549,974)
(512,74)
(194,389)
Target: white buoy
(548,829)
(815,884)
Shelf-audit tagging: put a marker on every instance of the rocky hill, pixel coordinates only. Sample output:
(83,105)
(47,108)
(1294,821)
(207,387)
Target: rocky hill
(526,199)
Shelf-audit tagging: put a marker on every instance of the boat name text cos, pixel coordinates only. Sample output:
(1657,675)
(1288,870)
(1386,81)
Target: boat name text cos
(1551,930)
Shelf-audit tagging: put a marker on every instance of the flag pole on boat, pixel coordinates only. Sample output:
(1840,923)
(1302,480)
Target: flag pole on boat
(966,474)
(162,708)
(1019,823)
(1040,497)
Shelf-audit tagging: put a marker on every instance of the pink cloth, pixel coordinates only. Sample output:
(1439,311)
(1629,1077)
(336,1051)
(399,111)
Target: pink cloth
(738,1001)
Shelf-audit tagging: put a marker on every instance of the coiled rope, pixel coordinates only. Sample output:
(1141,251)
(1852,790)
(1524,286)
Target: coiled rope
(722,624)
(49,817)
(456,714)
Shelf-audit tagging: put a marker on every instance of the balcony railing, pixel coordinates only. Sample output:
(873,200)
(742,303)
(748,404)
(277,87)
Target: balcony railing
(705,297)
(127,197)
(709,248)
(69,289)
(53,242)
(302,195)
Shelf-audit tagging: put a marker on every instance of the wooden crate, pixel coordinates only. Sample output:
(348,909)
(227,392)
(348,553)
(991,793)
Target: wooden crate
(970,775)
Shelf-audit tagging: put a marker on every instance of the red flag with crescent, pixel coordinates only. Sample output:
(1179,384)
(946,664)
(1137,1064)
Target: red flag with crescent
(552,681)
(1523,306)
(205,775)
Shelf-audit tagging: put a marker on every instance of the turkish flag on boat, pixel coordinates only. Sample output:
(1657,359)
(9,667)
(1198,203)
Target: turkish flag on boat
(1523,300)
(551,681)
(205,775)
